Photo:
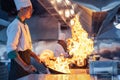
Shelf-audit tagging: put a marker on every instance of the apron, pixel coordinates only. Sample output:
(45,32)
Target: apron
(16,71)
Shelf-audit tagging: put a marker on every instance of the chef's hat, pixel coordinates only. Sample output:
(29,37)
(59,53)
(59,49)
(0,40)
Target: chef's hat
(61,36)
(22,3)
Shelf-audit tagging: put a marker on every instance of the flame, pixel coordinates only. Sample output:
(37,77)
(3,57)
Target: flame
(80,46)
(61,65)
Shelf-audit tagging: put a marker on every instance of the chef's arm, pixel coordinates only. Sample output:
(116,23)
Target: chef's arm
(28,68)
(14,55)
(32,54)
(20,62)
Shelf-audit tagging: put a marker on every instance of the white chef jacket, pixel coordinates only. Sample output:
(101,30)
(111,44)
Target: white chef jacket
(18,36)
(58,50)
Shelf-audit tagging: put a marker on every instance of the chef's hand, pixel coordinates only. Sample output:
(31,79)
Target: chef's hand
(30,68)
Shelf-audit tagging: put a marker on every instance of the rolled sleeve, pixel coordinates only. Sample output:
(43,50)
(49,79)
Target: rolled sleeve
(13,34)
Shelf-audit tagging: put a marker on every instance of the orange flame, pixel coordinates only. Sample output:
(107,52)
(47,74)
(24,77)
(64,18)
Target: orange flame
(80,46)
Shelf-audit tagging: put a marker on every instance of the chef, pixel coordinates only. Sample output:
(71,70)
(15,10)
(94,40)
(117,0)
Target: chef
(61,46)
(19,45)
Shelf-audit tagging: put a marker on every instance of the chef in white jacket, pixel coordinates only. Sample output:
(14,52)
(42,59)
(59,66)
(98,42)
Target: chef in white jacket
(19,45)
(60,46)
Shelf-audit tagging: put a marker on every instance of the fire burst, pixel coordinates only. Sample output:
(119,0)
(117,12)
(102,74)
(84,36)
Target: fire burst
(80,46)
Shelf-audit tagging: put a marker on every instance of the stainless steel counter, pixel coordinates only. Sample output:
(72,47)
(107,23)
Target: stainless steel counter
(56,77)
(68,77)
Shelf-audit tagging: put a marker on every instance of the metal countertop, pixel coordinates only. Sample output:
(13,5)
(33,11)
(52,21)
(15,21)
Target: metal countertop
(68,77)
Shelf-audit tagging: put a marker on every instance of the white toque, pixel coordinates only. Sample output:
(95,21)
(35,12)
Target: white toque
(22,3)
